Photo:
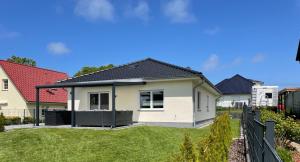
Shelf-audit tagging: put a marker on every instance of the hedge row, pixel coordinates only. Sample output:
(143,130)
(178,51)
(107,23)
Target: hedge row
(2,122)
(286,128)
(213,148)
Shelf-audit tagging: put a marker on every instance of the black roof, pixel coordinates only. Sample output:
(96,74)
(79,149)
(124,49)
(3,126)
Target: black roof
(298,53)
(236,85)
(145,69)
(149,69)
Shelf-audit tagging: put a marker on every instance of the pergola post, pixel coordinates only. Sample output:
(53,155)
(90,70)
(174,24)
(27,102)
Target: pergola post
(113,106)
(37,108)
(73,106)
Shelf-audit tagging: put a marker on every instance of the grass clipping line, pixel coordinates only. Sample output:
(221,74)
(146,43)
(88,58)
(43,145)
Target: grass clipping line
(213,148)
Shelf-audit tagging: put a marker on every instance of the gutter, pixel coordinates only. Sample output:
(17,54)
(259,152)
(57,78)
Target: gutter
(194,105)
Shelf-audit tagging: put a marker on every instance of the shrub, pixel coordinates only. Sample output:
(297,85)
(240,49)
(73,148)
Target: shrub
(286,128)
(216,146)
(12,120)
(284,154)
(211,149)
(2,122)
(28,120)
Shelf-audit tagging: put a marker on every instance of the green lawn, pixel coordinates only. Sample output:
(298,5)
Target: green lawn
(143,143)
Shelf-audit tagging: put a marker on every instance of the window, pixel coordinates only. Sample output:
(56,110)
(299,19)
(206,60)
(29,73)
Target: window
(268,95)
(99,101)
(152,99)
(207,103)
(94,101)
(198,101)
(5,84)
(158,99)
(104,101)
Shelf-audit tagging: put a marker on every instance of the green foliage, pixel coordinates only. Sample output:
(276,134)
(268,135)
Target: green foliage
(12,120)
(216,146)
(91,69)
(28,120)
(213,148)
(2,122)
(22,60)
(286,128)
(284,154)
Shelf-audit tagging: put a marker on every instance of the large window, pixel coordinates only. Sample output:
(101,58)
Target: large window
(5,84)
(99,101)
(199,101)
(152,99)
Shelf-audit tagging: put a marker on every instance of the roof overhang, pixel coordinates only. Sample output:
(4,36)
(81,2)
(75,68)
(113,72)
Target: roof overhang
(298,53)
(94,84)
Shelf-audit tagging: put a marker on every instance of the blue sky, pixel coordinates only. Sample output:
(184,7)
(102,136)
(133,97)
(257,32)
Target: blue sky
(256,38)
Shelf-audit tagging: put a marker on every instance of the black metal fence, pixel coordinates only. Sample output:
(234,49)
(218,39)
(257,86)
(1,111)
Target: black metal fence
(260,137)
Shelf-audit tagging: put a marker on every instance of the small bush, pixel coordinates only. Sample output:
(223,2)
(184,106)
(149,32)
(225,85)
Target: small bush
(12,120)
(28,120)
(2,122)
(284,154)
(211,149)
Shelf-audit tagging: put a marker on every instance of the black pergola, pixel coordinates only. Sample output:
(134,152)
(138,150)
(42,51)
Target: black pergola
(73,85)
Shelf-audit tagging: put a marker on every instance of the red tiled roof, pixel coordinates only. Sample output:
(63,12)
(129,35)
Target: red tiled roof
(25,78)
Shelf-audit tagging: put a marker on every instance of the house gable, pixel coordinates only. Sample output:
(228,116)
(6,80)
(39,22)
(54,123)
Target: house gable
(10,98)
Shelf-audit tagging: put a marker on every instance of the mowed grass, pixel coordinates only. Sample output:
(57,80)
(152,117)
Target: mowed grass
(143,143)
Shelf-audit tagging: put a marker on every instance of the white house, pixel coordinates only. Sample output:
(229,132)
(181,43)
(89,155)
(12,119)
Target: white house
(265,96)
(17,93)
(167,95)
(236,91)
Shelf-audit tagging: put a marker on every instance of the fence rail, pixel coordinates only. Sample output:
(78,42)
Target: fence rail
(260,137)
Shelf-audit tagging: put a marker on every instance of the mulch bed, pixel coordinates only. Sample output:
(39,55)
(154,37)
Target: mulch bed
(296,156)
(237,151)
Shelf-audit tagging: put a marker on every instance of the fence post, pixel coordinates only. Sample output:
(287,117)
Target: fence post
(270,133)
(257,115)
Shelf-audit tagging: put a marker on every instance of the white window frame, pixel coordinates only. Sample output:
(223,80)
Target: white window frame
(3,84)
(99,99)
(151,99)
(198,101)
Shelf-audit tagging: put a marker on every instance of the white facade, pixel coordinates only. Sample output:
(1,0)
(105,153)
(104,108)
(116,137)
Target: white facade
(178,101)
(235,100)
(12,103)
(264,96)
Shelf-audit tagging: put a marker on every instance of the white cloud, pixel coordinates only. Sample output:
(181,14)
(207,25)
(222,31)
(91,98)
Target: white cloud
(140,11)
(211,63)
(95,10)
(5,34)
(237,61)
(57,48)
(178,11)
(258,58)
(212,31)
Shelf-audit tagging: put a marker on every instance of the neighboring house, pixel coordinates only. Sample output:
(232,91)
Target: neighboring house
(264,96)
(298,53)
(17,94)
(169,96)
(236,91)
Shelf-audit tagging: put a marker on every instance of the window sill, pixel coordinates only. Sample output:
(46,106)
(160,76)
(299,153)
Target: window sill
(154,110)
(4,89)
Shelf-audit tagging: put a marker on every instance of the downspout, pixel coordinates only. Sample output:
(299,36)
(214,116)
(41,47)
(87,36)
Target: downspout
(194,105)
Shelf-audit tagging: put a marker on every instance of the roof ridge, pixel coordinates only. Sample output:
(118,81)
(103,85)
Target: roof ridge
(175,66)
(119,66)
(40,68)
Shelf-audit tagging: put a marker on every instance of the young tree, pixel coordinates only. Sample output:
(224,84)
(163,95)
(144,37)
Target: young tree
(22,60)
(91,69)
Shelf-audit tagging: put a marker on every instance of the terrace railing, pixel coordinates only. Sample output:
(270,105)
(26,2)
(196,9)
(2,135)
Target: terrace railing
(259,136)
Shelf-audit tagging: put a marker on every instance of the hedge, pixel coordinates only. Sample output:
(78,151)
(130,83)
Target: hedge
(211,149)
(28,120)
(2,122)
(12,120)
(286,128)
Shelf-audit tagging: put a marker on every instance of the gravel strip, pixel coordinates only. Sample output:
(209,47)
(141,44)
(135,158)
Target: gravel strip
(237,151)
